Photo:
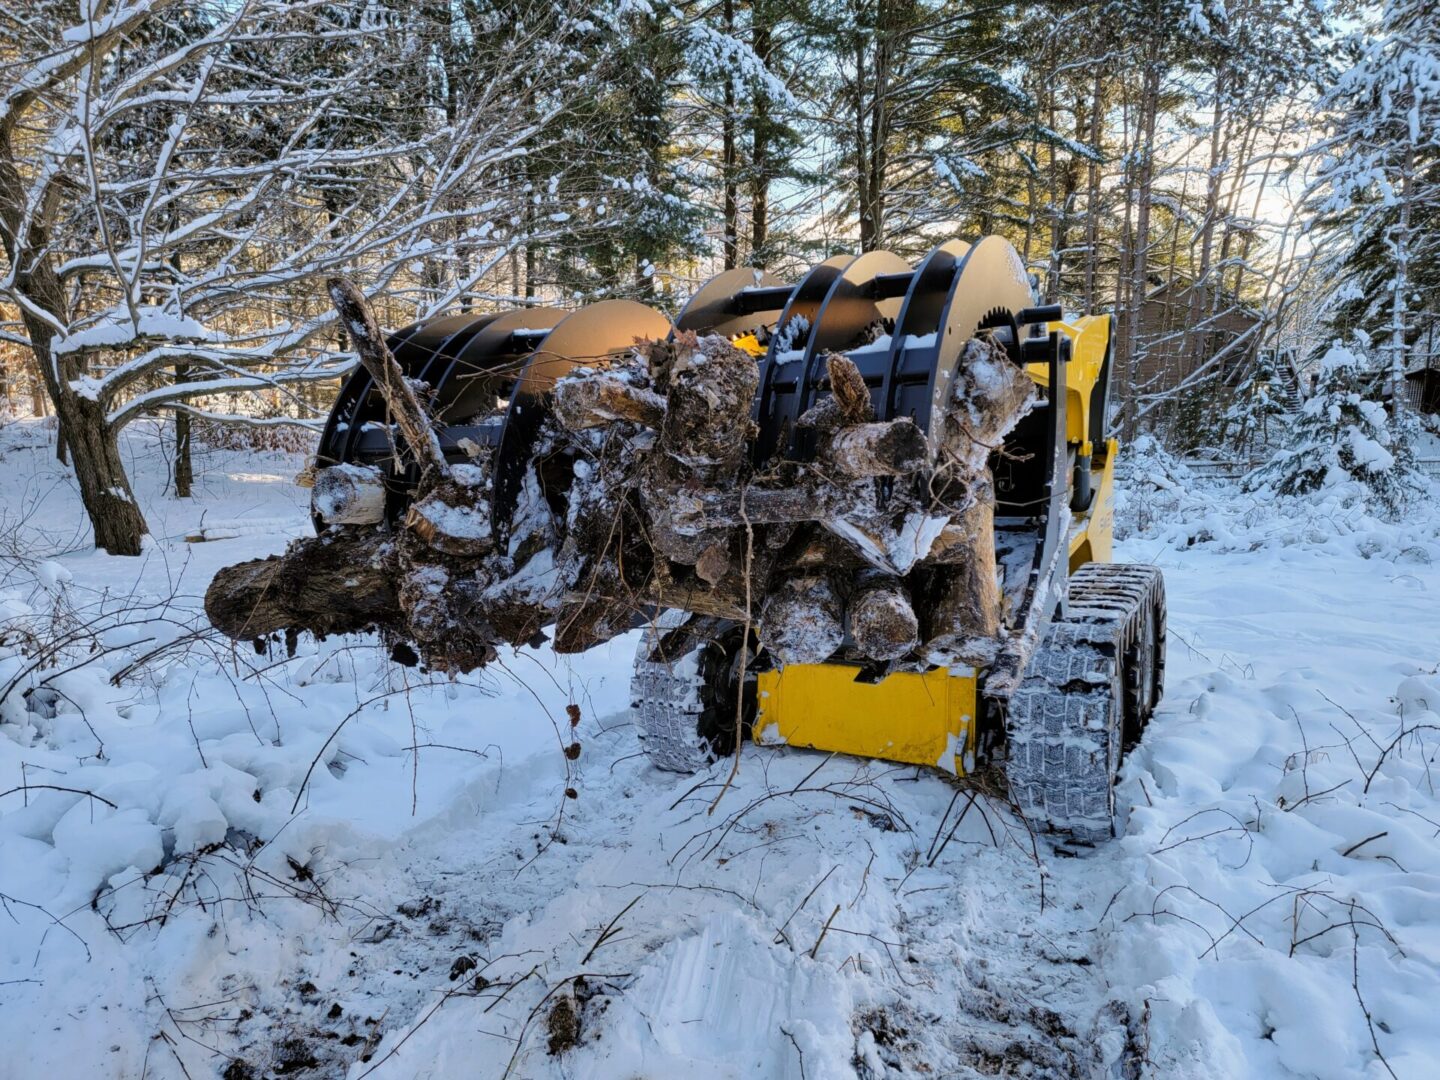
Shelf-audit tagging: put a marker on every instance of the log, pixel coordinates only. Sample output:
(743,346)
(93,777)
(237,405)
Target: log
(965,620)
(338,583)
(673,515)
(847,387)
(589,401)
(882,620)
(990,397)
(888,544)
(453,520)
(349,495)
(695,511)
(709,388)
(400,398)
(701,601)
(883,448)
(800,621)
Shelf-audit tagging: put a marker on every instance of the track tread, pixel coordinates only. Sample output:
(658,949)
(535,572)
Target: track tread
(672,698)
(1066,720)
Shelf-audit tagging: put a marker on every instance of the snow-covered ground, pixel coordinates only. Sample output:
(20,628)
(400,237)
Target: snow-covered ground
(214,863)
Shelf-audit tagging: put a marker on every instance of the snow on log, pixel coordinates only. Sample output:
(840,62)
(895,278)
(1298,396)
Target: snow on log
(348,495)
(800,621)
(452,519)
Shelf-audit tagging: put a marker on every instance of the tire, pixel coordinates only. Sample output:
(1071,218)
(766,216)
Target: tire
(1088,692)
(684,702)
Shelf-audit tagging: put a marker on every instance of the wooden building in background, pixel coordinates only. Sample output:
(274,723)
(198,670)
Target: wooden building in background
(1178,334)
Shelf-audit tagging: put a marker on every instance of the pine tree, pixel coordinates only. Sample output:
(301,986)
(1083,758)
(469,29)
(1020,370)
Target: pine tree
(1343,434)
(1379,179)
(1255,406)
(920,113)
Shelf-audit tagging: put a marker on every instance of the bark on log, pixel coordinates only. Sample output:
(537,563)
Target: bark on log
(694,512)
(883,625)
(709,390)
(400,399)
(338,583)
(884,448)
(965,620)
(688,598)
(349,495)
(847,387)
(588,401)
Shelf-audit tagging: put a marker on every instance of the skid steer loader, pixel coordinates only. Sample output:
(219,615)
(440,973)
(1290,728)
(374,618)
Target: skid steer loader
(1078,666)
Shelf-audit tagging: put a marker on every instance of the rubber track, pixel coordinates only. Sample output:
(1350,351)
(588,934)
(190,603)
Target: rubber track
(1065,718)
(668,698)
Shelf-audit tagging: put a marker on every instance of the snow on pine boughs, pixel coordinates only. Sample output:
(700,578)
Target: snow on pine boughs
(1344,433)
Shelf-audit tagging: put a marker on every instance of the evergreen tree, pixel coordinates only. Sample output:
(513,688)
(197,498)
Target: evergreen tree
(1255,406)
(1378,183)
(920,112)
(1344,433)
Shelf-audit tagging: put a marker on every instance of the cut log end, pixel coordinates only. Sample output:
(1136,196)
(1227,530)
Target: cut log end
(801,621)
(885,448)
(883,625)
(349,495)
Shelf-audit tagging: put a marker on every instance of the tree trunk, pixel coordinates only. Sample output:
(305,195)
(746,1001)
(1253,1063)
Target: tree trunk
(760,149)
(1195,339)
(880,134)
(1092,200)
(1140,249)
(104,488)
(105,492)
(1400,288)
(184,467)
(728,161)
(863,150)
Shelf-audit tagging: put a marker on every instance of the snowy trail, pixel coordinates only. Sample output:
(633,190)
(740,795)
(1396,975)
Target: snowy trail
(424,917)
